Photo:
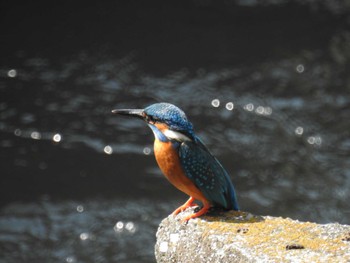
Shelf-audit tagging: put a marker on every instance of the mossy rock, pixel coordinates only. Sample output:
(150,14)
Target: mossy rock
(243,237)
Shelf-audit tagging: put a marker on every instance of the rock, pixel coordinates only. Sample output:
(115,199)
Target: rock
(243,237)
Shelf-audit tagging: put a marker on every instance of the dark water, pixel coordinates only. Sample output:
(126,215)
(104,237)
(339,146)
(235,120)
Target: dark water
(266,87)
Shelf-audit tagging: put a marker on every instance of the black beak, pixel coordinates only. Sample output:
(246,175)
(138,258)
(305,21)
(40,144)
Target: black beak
(130,112)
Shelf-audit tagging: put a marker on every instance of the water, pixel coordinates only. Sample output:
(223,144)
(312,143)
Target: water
(266,90)
(67,231)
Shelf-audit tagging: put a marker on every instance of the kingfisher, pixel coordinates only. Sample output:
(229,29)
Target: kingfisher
(185,161)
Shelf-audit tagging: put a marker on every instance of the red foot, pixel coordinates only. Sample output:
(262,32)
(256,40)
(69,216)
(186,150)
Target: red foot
(189,203)
(186,205)
(204,210)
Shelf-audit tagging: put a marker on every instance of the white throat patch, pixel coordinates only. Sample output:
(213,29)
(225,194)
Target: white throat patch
(174,135)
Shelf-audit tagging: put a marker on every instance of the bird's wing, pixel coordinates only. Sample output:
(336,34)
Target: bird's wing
(205,171)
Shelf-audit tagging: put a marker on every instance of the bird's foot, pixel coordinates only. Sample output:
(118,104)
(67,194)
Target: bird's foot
(189,203)
(203,211)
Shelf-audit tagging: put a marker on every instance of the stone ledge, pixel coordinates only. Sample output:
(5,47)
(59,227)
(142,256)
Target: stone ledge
(243,237)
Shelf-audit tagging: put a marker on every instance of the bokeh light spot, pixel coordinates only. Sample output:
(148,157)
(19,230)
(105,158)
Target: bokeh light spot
(84,236)
(12,73)
(119,226)
(108,149)
(130,226)
(147,151)
(215,103)
(35,135)
(311,140)
(259,110)
(267,111)
(299,130)
(230,106)
(70,259)
(18,132)
(80,208)
(249,107)
(318,140)
(57,137)
(300,68)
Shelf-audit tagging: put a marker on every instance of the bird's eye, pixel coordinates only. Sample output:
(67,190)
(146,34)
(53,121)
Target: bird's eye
(150,119)
(146,117)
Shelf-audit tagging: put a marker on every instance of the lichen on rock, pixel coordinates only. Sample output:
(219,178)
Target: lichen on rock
(233,236)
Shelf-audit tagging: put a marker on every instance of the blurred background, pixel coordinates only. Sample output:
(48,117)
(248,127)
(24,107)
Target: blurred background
(265,83)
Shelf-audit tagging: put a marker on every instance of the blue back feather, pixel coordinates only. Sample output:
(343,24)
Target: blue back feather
(206,172)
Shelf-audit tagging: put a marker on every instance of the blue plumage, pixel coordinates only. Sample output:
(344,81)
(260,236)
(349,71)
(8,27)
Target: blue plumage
(208,174)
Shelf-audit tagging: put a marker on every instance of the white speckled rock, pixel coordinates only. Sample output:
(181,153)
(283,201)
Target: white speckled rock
(243,237)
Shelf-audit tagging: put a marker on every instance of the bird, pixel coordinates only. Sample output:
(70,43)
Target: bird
(185,161)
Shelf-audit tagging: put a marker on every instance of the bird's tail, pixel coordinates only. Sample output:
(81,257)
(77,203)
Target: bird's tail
(233,199)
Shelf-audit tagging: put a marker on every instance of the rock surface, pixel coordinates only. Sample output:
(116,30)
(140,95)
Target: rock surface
(242,237)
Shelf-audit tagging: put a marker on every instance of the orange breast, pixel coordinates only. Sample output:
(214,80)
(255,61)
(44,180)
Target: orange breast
(169,163)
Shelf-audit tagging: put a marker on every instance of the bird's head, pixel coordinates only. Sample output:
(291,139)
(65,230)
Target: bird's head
(167,121)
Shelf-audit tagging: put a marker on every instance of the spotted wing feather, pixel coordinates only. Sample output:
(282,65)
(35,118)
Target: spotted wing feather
(205,171)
